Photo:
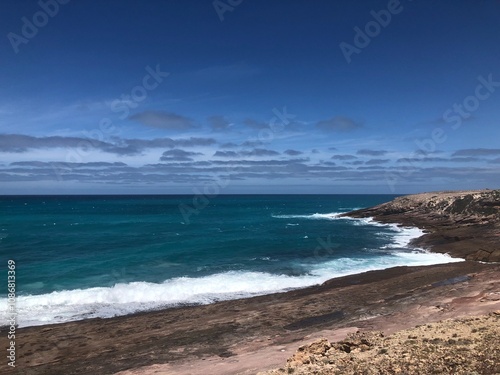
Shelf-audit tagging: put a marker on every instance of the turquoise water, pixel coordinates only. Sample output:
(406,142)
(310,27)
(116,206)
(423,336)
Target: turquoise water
(79,257)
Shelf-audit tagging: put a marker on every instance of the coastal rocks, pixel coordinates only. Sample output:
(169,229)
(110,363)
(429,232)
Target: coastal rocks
(322,351)
(483,255)
(464,224)
(470,207)
(307,354)
(494,256)
(463,346)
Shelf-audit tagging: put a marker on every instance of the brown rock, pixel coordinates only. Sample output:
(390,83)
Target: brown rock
(494,256)
(319,347)
(311,353)
(495,296)
(482,256)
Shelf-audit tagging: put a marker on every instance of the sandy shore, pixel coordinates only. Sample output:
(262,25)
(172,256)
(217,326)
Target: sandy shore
(255,334)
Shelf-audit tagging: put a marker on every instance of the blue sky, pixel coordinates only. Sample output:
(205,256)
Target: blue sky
(247,96)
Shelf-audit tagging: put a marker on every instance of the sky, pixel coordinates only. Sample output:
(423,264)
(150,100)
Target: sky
(239,96)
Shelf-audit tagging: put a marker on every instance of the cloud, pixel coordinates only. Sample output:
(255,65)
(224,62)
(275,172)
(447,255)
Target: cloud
(344,157)
(371,167)
(18,143)
(338,124)
(140,145)
(40,164)
(423,159)
(259,152)
(377,161)
(218,123)
(255,143)
(228,145)
(178,155)
(371,152)
(255,152)
(468,159)
(356,162)
(163,120)
(256,163)
(194,142)
(179,167)
(477,152)
(293,152)
(226,154)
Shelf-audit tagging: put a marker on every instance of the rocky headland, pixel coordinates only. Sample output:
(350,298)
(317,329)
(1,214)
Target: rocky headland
(464,224)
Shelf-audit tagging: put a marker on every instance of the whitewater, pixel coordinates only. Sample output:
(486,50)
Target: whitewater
(126,298)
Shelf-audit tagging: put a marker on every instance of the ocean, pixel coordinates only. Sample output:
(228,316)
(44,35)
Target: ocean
(80,257)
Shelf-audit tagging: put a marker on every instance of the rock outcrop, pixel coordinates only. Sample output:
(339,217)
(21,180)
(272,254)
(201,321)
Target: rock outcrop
(465,224)
(462,346)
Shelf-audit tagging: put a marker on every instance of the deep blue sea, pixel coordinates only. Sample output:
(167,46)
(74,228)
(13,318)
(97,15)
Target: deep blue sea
(100,256)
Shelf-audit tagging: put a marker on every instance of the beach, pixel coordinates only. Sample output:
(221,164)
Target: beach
(245,336)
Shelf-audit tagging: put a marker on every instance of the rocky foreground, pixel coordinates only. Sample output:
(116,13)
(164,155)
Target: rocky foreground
(458,346)
(465,224)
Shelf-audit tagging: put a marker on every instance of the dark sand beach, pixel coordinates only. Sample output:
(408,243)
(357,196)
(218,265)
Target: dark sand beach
(250,335)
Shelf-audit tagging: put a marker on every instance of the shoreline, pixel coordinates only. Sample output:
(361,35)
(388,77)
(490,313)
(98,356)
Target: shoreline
(227,331)
(258,333)
(397,244)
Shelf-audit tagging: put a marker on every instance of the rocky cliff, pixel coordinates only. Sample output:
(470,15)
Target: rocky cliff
(465,224)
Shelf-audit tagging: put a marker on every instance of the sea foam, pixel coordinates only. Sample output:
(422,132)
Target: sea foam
(122,299)
(127,298)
